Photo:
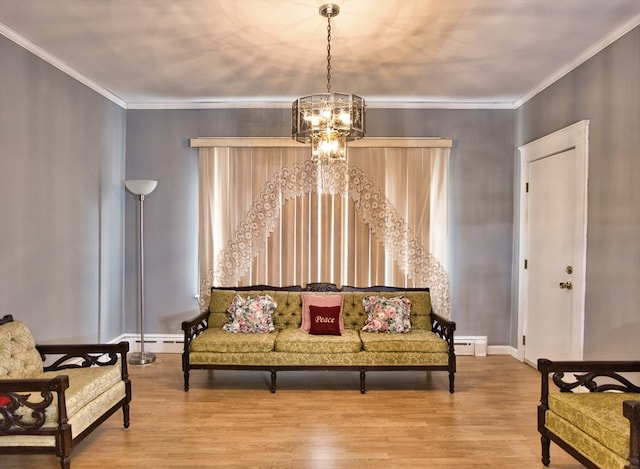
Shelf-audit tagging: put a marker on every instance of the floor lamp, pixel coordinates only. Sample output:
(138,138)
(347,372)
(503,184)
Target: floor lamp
(141,187)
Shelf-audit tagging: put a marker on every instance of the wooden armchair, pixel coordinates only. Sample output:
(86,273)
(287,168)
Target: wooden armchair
(599,426)
(52,396)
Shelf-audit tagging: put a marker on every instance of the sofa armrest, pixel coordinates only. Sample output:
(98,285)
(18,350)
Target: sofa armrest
(443,327)
(86,355)
(16,394)
(631,410)
(193,328)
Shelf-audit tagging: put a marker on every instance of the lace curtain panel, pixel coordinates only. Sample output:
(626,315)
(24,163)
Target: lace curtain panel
(268,215)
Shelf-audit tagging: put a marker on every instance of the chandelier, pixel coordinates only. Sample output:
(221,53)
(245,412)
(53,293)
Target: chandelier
(328,120)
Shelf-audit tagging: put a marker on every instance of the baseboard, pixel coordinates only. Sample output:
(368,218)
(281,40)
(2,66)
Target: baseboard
(155,343)
(174,343)
(502,350)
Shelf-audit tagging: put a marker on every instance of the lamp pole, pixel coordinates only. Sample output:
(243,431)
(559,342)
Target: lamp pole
(141,187)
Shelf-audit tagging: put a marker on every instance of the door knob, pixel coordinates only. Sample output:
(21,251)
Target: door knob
(567,285)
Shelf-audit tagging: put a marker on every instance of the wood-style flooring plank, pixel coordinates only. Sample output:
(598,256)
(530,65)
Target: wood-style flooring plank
(229,419)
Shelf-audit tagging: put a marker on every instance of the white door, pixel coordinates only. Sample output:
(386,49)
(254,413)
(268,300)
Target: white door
(553,248)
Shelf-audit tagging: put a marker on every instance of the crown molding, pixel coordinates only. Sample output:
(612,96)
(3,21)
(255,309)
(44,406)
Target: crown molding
(278,103)
(580,59)
(25,43)
(285,103)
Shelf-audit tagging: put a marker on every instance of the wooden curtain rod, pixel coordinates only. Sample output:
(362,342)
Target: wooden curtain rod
(369,142)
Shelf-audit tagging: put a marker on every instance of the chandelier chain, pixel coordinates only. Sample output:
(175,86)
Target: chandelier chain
(328,120)
(329,54)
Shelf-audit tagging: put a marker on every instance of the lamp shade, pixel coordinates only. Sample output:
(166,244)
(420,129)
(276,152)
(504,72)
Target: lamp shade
(140,186)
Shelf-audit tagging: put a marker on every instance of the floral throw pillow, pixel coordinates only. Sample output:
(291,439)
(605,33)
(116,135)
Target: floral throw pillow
(387,314)
(251,315)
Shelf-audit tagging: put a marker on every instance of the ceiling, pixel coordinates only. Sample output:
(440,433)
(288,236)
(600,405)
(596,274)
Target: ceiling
(394,53)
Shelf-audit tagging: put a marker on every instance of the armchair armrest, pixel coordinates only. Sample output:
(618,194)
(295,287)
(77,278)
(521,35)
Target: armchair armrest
(18,391)
(86,355)
(585,373)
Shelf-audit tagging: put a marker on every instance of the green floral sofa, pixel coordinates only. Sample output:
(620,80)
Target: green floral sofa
(427,346)
(52,396)
(599,426)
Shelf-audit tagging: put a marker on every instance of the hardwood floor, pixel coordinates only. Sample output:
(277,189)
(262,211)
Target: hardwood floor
(320,420)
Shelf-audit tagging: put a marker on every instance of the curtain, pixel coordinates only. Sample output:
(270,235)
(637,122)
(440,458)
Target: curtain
(268,215)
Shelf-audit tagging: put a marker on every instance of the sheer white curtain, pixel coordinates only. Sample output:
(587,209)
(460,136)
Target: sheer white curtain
(268,216)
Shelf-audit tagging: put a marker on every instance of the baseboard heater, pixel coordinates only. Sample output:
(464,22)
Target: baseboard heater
(174,343)
(155,343)
(471,345)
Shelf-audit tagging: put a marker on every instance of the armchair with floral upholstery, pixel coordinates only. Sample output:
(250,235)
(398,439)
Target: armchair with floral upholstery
(52,396)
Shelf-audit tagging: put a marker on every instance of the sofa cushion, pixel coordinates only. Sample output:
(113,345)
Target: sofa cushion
(319,299)
(18,355)
(414,341)
(295,340)
(387,314)
(598,414)
(251,314)
(325,320)
(219,340)
(86,384)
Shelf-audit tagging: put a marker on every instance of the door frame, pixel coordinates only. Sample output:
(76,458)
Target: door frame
(575,136)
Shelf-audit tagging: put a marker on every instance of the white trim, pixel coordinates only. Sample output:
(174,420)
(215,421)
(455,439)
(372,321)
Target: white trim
(574,136)
(285,103)
(579,60)
(370,142)
(503,350)
(25,43)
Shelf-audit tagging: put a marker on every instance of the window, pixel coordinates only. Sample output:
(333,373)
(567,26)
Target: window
(268,215)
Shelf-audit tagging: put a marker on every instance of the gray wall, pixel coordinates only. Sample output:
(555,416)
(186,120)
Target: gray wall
(65,218)
(61,202)
(481,204)
(605,91)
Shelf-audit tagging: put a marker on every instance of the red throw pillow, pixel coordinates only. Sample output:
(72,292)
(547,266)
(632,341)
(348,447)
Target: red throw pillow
(319,299)
(325,320)
(4,400)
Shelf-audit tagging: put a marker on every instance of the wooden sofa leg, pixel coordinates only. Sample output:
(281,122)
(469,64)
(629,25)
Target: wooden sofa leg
(546,444)
(362,382)
(273,381)
(65,444)
(186,381)
(451,379)
(125,415)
